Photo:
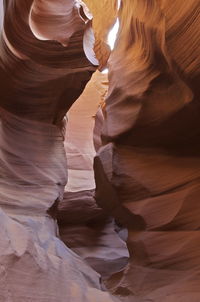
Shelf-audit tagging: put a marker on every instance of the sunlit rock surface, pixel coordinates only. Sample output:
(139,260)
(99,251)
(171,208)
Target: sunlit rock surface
(79,145)
(84,226)
(39,82)
(34,261)
(104,14)
(148,174)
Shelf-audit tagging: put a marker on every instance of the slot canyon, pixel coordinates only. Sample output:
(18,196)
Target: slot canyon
(100,151)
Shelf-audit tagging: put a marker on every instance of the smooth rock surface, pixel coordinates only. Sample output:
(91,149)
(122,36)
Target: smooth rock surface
(91,233)
(34,262)
(150,164)
(84,226)
(39,82)
(79,145)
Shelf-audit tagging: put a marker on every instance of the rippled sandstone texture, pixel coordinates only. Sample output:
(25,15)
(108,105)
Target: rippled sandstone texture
(43,70)
(152,147)
(148,171)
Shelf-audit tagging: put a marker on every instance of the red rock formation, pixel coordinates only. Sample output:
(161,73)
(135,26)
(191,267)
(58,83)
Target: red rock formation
(152,163)
(148,171)
(39,82)
(104,13)
(78,143)
(85,227)
(43,79)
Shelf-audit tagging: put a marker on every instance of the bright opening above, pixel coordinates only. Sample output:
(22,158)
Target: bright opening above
(113,35)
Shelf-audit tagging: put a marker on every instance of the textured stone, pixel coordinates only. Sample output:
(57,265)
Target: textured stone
(147,172)
(150,162)
(79,145)
(91,233)
(39,82)
(84,226)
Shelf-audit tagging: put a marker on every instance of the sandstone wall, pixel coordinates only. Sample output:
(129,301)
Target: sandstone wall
(150,162)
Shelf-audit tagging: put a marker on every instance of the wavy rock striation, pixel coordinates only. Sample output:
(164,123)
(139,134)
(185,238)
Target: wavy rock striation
(39,82)
(147,172)
(149,166)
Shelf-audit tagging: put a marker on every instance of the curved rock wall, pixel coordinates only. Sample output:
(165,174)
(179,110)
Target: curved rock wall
(149,166)
(84,226)
(39,82)
(147,172)
(40,74)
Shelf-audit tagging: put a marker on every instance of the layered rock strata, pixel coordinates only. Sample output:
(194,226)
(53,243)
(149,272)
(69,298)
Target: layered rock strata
(39,82)
(150,163)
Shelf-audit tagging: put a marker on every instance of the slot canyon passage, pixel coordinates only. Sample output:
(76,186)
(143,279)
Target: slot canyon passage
(99,173)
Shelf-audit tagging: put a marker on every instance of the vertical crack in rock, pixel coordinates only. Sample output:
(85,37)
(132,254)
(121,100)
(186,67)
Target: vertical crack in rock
(84,226)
